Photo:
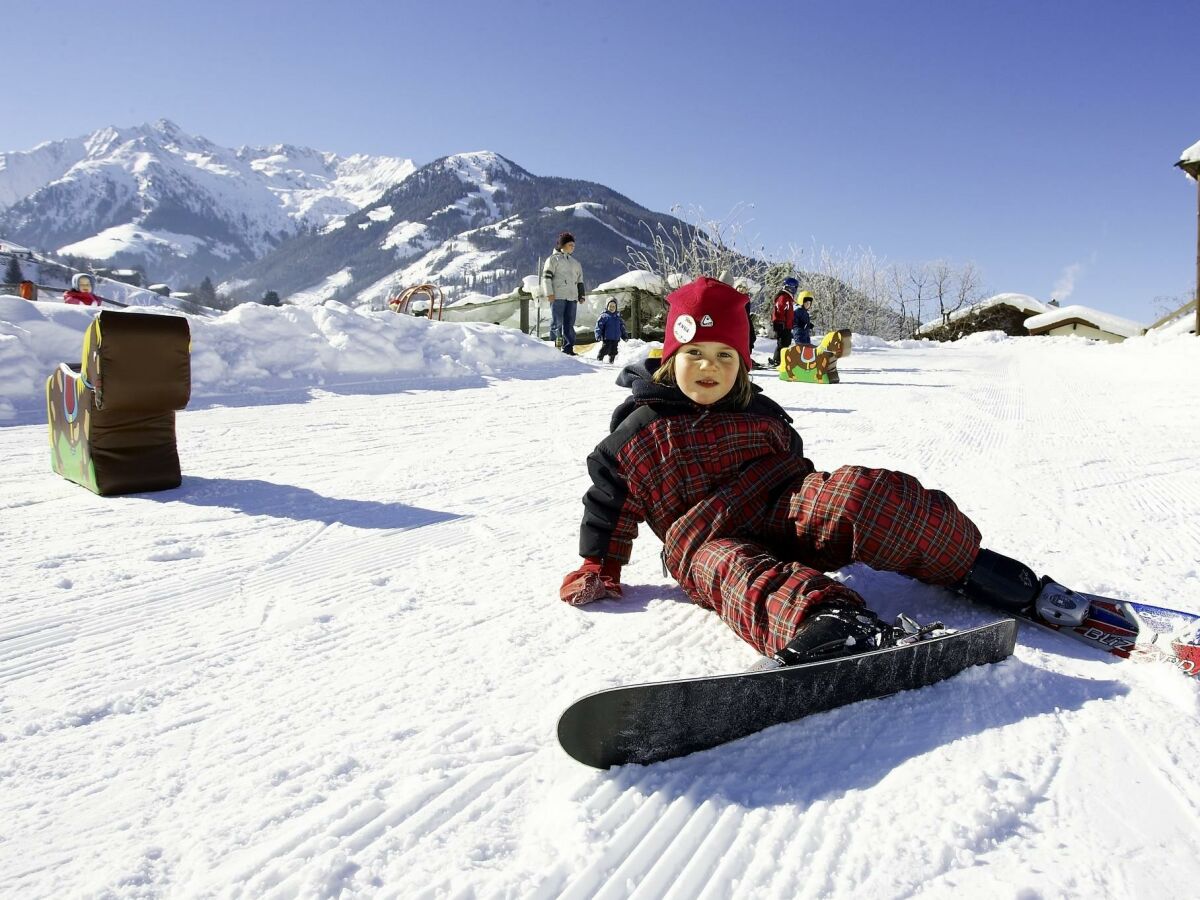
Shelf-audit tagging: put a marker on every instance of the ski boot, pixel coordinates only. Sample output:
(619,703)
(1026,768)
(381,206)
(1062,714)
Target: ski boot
(1012,586)
(832,630)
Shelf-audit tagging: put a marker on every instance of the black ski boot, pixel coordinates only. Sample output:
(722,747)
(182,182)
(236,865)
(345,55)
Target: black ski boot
(832,630)
(1002,582)
(1010,585)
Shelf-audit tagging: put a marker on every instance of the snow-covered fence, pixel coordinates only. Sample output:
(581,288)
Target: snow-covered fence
(1174,316)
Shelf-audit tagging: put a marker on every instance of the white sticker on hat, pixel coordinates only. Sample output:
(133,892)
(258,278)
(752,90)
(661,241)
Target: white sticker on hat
(706,322)
(685,328)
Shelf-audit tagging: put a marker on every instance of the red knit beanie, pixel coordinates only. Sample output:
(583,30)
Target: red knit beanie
(707,310)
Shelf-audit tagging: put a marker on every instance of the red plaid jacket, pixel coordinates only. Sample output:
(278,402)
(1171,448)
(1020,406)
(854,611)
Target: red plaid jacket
(666,457)
(747,524)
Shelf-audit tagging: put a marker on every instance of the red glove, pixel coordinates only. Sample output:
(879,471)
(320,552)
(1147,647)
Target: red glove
(594,580)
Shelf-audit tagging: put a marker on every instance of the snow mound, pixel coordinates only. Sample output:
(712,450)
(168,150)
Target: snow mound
(984,337)
(261,347)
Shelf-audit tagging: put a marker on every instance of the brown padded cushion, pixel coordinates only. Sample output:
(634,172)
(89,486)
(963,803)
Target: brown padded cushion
(137,361)
(134,452)
(112,418)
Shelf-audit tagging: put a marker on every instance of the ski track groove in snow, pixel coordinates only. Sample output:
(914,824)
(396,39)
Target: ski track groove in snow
(261,691)
(624,846)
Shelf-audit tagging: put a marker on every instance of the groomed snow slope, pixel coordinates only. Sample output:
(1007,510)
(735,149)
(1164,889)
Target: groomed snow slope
(331,663)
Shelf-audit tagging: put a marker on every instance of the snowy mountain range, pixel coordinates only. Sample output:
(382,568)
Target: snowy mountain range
(307,224)
(474,223)
(176,205)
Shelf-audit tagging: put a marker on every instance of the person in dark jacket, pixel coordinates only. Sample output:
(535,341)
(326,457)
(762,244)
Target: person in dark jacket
(610,330)
(749,526)
(802,325)
(783,312)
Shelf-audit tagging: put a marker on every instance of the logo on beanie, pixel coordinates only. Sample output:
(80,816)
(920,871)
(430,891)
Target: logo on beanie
(707,321)
(685,328)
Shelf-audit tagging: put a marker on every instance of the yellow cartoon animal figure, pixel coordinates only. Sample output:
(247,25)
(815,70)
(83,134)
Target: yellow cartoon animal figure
(815,365)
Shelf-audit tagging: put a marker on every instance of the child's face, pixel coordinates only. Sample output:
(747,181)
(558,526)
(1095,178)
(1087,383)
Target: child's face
(706,371)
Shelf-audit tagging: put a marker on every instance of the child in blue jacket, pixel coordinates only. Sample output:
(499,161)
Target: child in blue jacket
(610,328)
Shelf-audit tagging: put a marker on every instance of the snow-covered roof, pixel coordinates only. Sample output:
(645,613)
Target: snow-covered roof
(1075,313)
(1191,154)
(636,278)
(1021,302)
(7,246)
(1189,160)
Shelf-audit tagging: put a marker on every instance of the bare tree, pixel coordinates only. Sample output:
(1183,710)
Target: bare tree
(690,249)
(969,290)
(910,291)
(941,284)
(853,288)
(873,284)
(849,292)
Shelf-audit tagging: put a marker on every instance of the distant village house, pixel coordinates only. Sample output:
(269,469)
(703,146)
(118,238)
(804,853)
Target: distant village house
(133,277)
(1079,321)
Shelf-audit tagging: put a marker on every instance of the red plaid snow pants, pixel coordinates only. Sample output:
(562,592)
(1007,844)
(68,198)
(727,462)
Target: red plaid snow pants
(763,581)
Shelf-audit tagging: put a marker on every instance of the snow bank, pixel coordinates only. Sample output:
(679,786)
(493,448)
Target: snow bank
(983,337)
(257,347)
(34,339)
(870,342)
(1182,325)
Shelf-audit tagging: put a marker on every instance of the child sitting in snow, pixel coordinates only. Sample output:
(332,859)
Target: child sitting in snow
(610,328)
(749,527)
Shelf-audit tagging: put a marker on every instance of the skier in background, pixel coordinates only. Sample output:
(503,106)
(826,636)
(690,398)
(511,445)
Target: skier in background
(783,313)
(749,526)
(610,328)
(802,325)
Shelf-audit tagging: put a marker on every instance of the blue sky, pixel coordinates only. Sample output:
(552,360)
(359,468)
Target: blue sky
(1036,139)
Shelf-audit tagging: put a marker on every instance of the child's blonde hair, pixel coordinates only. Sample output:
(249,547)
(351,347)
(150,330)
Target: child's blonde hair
(739,395)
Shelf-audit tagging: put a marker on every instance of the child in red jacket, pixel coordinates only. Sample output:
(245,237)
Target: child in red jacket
(80,293)
(782,316)
(749,527)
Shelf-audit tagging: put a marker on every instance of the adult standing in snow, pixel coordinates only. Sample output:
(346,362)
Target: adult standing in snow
(802,325)
(749,526)
(610,329)
(562,281)
(783,313)
(80,293)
